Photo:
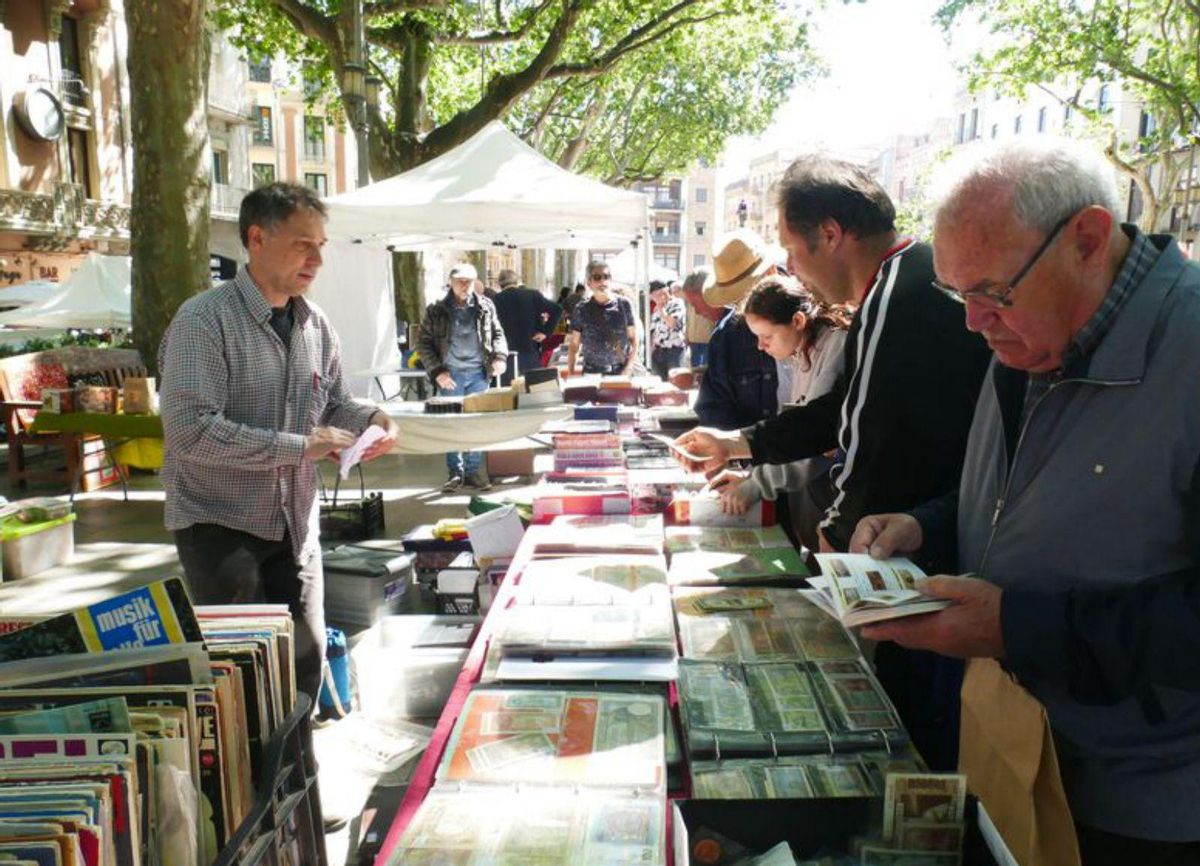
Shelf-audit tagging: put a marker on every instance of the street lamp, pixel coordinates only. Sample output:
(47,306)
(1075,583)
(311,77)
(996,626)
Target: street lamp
(355,91)
(374,84)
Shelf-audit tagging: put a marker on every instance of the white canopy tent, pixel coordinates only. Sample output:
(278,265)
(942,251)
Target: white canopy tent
(24,294)
(354,290)
(491,189)
(96,296)
(625,269)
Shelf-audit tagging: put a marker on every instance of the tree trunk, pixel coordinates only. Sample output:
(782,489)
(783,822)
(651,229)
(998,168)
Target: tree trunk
(168,83)
(408,281)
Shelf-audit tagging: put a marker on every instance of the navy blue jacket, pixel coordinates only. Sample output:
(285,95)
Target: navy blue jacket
(739,387)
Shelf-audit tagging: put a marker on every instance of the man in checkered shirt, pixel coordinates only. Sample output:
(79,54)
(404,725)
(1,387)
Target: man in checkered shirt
(252,395)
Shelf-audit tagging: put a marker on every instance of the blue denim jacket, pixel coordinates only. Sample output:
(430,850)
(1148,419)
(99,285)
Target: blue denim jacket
(739,386)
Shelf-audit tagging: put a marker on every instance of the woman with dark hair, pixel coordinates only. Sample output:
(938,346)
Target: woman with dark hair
(794,328)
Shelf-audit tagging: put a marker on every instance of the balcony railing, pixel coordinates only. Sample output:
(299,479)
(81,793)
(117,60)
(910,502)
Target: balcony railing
(64,214)
(666,204)
(226,201)
(671,238)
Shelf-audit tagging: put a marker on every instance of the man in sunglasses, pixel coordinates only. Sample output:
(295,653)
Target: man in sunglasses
(604,327)
(1078,513)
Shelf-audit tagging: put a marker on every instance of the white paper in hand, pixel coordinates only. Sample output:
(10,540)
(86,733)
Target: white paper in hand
(352,455)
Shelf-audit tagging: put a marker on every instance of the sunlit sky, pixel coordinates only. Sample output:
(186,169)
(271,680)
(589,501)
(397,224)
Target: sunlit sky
(890,71)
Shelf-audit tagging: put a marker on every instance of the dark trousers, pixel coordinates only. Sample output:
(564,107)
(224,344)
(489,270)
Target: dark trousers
(662,361)
(1100,848)
(526,361)
(225,566)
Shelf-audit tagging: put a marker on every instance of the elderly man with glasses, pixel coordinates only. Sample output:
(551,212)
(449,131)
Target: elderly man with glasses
(604,327)
(1078,513)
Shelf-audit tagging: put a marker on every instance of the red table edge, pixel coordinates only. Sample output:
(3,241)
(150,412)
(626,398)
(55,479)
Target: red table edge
(423,776)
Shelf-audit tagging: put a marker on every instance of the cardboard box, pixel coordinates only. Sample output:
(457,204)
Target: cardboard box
(61,400)
(518,461)
(97,399)
(141,396)
(491,400)
(99,470)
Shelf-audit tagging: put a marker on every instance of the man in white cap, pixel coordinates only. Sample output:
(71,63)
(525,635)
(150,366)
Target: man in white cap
(740,386)
(461,345)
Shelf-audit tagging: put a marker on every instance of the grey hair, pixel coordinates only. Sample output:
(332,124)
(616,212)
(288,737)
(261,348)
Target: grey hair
(1050,178)
(694,282)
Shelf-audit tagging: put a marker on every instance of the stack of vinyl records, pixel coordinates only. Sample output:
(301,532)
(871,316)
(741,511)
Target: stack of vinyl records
(123,739)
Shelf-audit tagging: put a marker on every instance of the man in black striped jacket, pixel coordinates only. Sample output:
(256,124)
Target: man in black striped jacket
(899,416)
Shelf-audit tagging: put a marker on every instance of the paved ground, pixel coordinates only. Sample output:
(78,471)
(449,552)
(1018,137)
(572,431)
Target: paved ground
(122,544)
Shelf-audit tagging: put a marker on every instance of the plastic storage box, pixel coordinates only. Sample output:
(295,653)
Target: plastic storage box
(407,665)
(32,547)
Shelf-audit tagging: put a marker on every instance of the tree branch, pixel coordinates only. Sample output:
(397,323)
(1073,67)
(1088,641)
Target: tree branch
(607,60)
(496,37)
(390,7)
(504,90)
(310,21)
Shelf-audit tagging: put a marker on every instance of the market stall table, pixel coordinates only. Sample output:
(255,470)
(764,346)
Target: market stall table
(113,430)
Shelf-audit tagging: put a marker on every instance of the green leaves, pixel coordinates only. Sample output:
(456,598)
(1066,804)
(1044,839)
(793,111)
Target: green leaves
(636,88)
(1151,47)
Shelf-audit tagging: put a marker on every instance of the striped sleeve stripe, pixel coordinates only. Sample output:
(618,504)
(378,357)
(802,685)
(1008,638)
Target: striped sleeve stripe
(868,345)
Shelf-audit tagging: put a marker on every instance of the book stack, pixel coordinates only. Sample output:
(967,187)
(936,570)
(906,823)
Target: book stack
(124,739)
(553,775)
(444,406)
(601,450)
(599,496)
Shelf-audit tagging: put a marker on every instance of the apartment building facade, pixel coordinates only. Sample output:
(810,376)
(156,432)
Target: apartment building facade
(263,129)
(67,166)
(996,117)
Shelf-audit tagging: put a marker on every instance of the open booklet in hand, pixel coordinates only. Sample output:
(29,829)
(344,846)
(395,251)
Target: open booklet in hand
(858,589)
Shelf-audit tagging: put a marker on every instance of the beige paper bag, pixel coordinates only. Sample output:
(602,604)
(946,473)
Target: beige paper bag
(1007,752)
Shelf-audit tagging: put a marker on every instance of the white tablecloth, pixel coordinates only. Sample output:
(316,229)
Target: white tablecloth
(475,431)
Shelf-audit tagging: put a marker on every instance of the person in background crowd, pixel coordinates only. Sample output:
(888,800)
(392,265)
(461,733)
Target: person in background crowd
(702,318)
(483,290)
(252,396)
(578,294)
(902,408)
(604,326)
(461,344)
(794,327)
(1077,510)
(528,318)
(741,385)
(667,330)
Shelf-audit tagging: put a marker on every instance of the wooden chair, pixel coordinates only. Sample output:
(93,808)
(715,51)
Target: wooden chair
(21,379)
